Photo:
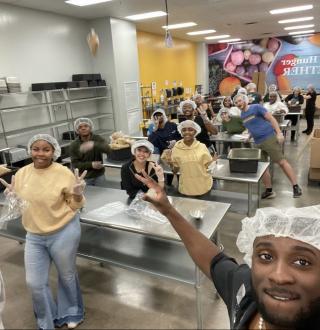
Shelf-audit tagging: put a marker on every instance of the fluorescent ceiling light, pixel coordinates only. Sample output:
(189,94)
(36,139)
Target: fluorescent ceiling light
(299,27)
(218,37)
(301,32)
(196,33)
(294,20)
(303,35)
(151,14)
(290,9)
(85,2)
(179,25)
(230,40)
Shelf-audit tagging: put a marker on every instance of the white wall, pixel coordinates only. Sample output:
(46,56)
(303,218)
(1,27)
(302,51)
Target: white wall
(38,46)
(117,59)
(203,66)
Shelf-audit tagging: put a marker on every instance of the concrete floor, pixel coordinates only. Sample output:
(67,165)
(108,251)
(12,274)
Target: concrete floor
(120,299)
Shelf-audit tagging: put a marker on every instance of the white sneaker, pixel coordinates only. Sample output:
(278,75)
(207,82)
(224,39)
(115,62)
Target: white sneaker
(73,325)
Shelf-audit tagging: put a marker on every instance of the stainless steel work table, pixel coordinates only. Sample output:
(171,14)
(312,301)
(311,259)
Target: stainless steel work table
(137,244)
(222,172)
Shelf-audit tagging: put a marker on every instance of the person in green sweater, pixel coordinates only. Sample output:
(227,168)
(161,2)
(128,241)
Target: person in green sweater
(231,125)
(86,152)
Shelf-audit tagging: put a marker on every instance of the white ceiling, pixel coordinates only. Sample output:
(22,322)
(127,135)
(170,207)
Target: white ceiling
(225,16)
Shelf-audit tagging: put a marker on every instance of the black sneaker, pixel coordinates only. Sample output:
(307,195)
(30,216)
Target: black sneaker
(297,192)
(268,194)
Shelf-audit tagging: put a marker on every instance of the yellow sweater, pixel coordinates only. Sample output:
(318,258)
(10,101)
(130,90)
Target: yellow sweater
(193,162)
(49,195)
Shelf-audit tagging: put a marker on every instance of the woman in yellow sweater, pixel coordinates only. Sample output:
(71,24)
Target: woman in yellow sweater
(192,159)
(53,196)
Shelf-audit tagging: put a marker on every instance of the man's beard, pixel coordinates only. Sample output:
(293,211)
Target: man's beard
(304,319)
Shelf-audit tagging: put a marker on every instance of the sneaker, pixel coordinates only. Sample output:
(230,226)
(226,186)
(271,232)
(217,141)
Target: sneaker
(73,325)
(297,192)
(268,194)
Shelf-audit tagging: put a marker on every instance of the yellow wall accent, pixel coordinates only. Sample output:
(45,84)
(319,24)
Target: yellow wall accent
(158,63)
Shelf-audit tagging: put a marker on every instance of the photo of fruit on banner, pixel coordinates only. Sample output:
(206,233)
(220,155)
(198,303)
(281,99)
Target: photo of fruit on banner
(287,61)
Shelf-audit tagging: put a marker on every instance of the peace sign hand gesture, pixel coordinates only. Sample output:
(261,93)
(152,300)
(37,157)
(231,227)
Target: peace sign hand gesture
(9,186)
(78,188)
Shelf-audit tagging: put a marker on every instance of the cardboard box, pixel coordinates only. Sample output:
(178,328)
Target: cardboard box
(261,87)
(315,149)
(314,174)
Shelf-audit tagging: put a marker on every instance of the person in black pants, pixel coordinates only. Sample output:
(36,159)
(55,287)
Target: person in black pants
(295,98)
(310,97)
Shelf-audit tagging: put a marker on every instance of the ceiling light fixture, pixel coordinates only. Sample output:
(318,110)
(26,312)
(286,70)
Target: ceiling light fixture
(297,27)
(168,38)
(303,35)
(218,37)
(301,32)
(229,40)
(290,9)
(82,3)
(148,15)
(196,33)
(294,20)
(179,25)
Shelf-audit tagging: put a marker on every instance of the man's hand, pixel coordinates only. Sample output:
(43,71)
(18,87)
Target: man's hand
(171,144)
(280,138)
(97,165)
(159,198)
(9,186)
(78,188)
(86,146)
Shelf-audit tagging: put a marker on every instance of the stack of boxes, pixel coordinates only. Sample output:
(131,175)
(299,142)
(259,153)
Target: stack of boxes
(13,84)
(314,170)
(3,86)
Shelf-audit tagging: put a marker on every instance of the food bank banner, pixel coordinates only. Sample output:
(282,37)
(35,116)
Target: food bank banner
(287,62)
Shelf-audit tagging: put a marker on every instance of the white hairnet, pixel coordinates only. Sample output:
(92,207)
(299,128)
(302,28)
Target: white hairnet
(251,86)
(142,143)
(192,103)
(242,91)
(165,118)
(50,139)
(272,88)
(302,224)
(189,123)
(242,96)
(198,95)
(80,121)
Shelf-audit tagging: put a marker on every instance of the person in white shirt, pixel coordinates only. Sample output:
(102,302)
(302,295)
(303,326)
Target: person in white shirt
(227,104)
(275,106)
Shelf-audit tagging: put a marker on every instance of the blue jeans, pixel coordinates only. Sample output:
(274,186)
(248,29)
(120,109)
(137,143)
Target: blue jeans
(99,181)
(61,248)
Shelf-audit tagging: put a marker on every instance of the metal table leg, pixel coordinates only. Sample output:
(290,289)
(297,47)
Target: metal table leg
(198,298)
(259,193)
(249,198)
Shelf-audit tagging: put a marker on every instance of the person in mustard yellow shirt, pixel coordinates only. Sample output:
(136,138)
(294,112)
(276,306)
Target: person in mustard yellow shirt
(52,195)
(191,158)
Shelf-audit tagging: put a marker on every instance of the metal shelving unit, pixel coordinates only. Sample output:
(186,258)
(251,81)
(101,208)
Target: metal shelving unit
(53,112)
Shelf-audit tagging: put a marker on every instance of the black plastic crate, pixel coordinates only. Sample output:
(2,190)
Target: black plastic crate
(79,77)
(42,86)
(244,160)
(121,154)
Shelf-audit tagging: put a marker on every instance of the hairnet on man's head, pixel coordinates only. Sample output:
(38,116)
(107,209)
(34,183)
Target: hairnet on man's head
(302,224)
(190,124)
(80,121)
(192,103)
(272,88)
(242,90)
(142,143)
(48,138)
(242,96)
(251,86)
(165,118)
(198,96)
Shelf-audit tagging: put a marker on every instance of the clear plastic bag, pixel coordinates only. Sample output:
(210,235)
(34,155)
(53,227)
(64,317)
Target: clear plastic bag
(12,209)
(140,209)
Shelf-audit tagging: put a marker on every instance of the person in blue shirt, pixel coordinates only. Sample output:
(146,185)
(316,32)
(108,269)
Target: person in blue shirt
(165,133)
(268,137)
